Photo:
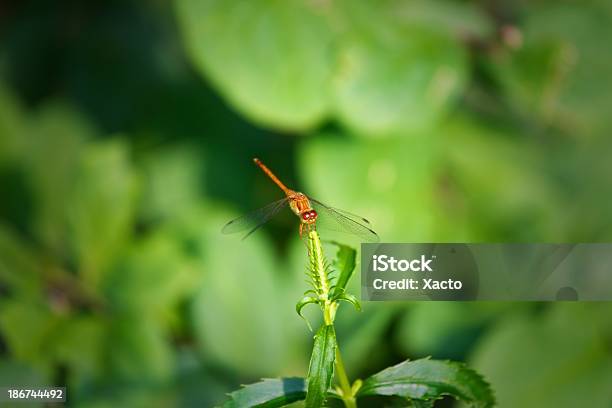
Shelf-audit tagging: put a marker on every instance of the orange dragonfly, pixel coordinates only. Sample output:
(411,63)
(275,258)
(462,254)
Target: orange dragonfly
(312,214)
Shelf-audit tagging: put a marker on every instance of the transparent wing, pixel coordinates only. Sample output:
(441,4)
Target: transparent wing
(334,219)
(252,221)
(357,218)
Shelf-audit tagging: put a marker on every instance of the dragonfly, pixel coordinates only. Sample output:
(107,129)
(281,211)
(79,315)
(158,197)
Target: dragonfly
(312,214)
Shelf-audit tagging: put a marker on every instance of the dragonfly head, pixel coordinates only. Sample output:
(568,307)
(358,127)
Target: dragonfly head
(309,216)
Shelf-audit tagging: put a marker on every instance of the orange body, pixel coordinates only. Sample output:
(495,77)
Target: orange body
(299,203)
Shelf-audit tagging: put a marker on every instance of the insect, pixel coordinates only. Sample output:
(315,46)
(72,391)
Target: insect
(312,214)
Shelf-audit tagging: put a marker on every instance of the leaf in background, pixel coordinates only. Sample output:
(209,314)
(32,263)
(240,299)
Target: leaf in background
(268,393)
(19,265)
(14,373)
(395,76)
(558,70)
(376,181)
(101,207)
(57,138)
(363,333)
(446,329)
(460,19)
(242,317)
(498,200)
(44,339)
(430,379)
(344,265)
(154,276)
(138,350)
(77,343)
(13,144)
(560,358)
(422,404)
(24,324)
(198,384)
(271,60)
(131,395)
(172,182)
(321,369)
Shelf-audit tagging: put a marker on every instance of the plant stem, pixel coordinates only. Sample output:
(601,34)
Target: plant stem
(327,314)
(319,274)
(315,252)
(345,385)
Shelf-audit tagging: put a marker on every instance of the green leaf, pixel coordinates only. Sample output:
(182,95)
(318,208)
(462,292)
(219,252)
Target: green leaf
(271,60)
(269,393)
(318,268)
(461,19)
(347,297)
(26,376)
(13,144)
(58,143)
(303,302)
(153,276)
(131,394)
(551,74)
(363,332)
(24,325)
(19,266)
(321,370)
(446,329)
(559,357)
(139,350)
(101,207)
(427,379)
(173,181)
(345,265)
(382,194)
(78,343)
(241,298)
(422,403)
(394,75)
(18,373)
(529,209)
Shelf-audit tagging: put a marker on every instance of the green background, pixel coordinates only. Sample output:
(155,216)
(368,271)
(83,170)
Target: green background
(127,131)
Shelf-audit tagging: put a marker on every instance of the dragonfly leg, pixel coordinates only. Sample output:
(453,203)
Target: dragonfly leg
(304,238)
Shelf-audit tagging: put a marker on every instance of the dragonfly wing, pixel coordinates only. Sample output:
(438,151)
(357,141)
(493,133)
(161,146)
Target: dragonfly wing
(357,218)
(252,221)
(334,220)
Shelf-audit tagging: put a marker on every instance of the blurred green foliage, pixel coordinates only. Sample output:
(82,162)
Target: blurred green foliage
(126,134)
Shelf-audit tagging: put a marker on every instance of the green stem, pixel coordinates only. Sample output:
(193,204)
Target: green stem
(315,252)
(345,385)
(329,307)
(328,317)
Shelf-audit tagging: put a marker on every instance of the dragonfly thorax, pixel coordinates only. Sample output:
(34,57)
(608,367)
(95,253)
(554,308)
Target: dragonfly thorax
(300,205)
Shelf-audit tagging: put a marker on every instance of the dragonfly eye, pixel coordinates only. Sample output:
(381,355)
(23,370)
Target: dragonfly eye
(313,214)
(306,215)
